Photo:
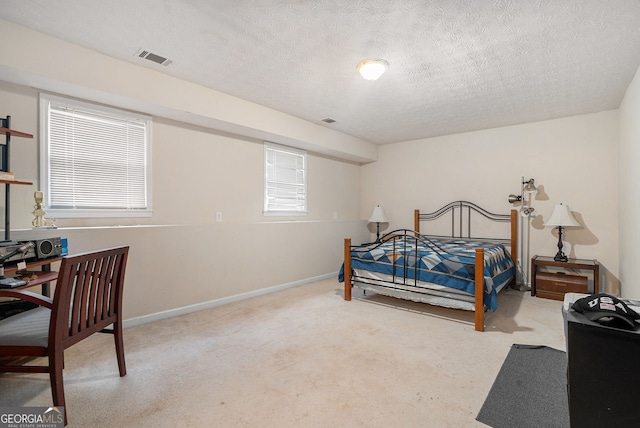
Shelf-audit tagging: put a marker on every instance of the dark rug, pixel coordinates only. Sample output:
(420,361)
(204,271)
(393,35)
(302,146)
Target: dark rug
(529,391)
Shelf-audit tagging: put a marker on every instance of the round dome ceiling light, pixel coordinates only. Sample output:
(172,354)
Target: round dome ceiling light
(372,69)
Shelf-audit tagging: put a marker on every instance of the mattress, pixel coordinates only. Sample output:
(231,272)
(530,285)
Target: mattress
(446,265)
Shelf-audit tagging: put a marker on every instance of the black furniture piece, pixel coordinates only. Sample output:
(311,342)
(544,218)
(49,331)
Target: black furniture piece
(603,374)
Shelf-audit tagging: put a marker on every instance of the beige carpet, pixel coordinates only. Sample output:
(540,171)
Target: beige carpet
(302,357)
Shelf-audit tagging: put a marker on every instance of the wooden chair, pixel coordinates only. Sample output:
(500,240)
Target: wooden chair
(87,299)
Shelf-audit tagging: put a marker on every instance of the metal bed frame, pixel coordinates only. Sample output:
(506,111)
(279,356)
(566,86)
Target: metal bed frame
(459,210)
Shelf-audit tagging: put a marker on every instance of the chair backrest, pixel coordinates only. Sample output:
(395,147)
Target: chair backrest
(88,295)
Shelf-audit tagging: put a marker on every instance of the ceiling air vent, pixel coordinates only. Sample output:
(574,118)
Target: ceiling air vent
(328,120)
(153,57)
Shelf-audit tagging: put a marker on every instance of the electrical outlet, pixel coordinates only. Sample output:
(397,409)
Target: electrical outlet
(335,215)
(218,216)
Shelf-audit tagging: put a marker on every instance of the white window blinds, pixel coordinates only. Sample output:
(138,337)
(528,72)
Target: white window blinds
(285,180)
(96,158)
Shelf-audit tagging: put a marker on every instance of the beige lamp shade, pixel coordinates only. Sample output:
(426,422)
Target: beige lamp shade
(378,216)
(561,216)
(377,222)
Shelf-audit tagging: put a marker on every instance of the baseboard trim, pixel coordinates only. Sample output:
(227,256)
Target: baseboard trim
(132,322)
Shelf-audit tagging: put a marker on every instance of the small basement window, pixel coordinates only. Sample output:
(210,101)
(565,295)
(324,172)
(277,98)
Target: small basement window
(95,160)
(285,183)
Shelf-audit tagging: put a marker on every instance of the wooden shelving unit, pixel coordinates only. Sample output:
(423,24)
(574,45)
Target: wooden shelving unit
(5,129)
(45,276)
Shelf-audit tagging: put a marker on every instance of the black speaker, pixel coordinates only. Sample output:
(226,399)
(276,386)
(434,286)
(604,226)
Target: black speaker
(46,248)
(602,374)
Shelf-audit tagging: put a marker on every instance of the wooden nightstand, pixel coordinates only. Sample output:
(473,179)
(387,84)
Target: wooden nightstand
(560,277)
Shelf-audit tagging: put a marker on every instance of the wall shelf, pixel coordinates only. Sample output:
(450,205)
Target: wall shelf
(7,131)
(14,182)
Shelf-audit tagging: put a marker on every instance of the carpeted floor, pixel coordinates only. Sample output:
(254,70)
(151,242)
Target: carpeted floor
(302,357)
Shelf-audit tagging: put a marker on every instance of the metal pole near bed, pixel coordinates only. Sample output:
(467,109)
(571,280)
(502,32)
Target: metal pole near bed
(514,239)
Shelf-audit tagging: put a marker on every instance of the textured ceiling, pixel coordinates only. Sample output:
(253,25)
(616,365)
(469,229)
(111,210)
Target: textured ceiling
(455,65)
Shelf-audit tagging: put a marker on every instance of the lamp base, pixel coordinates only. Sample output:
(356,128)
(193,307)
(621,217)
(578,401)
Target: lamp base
(560,257)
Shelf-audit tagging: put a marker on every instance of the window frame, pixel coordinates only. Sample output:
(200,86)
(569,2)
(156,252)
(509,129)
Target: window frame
(44,168)
(297,152)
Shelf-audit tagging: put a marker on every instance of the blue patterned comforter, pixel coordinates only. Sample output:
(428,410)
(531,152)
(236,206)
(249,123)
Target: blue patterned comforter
(446,262)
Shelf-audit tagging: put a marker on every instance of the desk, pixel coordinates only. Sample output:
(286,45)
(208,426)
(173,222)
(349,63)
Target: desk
(45,276)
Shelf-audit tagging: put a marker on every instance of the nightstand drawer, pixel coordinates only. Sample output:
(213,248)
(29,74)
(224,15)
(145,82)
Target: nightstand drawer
(554,285)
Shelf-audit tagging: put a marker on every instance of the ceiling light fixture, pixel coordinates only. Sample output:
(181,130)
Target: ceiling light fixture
(373,68)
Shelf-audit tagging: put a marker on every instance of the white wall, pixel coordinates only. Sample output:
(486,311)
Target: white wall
(181,257)
(629,214)
(574,161)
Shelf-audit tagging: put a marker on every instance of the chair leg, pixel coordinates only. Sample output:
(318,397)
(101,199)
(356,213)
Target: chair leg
(56,364)
(117,336)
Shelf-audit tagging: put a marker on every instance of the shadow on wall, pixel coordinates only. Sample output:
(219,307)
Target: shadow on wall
(573,236)
(541,194)
(611,284)
(579,236)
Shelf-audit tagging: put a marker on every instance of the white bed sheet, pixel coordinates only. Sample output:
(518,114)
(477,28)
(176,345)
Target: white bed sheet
(427,292)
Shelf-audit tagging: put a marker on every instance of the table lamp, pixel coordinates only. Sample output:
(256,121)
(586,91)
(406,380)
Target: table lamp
(378,217)
(561,217)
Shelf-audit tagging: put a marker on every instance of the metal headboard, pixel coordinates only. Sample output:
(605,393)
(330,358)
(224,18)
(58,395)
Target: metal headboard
(458,209)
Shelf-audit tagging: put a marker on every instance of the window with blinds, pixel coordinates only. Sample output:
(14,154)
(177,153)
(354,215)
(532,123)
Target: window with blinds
(285,190)
(95,160)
